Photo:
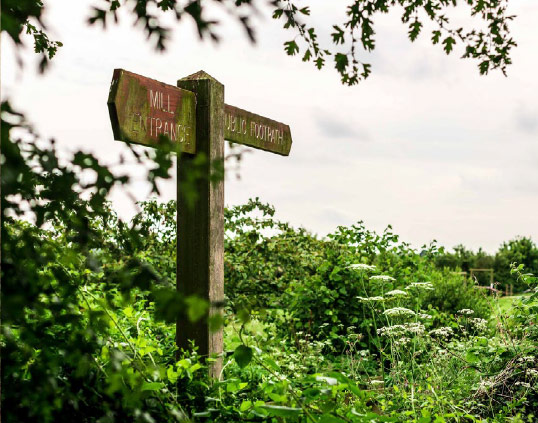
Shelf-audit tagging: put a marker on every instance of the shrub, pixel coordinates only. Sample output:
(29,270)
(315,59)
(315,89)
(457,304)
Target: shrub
(452,292)
(521,250)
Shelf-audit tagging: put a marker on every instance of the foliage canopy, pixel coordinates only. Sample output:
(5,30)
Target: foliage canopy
(486,40)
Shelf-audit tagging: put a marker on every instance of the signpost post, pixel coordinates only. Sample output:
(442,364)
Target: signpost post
(194,116)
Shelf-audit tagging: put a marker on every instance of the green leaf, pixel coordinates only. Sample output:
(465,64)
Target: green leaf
(245,405)
(215,321)
(307,55)
(340,62)
(311,392)
(414,29)
(436,36)
(171,374)
(272,364)
(196,307)
(243,355)
(282,411)
(471,357)
(243,315)
(277,397)
(152,386)
(328,418)
(277,13)
(291,48)
(484,67)
(448,44)
(338,35)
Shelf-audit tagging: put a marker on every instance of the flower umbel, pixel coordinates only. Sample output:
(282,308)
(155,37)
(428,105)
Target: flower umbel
(399,312)
(443,332)
(370,299)
(382,278)
(426,286)
(362,266)
(396,293)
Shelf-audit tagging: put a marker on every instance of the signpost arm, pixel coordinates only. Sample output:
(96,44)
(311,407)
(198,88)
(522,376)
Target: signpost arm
(200,246)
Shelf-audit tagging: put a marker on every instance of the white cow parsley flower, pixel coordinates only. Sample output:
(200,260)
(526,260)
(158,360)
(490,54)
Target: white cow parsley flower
(362,266)
(416,328)
(426,286)
(382,278)
(524,384)
(479,324)
(532,372)
(394,330)
(368,299)
(486,384)
(396,293)
(399,312)
(404,340)
(443,332)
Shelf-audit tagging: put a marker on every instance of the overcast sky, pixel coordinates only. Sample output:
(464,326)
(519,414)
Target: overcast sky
(425,144)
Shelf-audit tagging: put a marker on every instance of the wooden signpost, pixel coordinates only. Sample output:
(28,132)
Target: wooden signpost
(194,116)
(142,110)
(256,131)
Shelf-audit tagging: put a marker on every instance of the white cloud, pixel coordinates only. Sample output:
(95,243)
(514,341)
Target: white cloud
(448,154)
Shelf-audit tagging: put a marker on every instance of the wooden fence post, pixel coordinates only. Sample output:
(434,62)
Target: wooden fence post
(200,246)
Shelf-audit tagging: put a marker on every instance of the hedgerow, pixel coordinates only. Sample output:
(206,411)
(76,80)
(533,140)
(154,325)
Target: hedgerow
(353,327)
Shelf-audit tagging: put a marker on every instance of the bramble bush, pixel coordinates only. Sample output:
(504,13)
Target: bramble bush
(271,265)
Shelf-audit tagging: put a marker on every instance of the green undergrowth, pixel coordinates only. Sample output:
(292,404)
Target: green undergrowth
(355,327)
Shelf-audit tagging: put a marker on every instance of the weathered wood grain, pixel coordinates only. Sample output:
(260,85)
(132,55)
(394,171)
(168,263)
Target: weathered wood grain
(243,127)
(200,247)
(143,110)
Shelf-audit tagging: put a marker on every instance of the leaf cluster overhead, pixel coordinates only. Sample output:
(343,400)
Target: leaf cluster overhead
(486,40)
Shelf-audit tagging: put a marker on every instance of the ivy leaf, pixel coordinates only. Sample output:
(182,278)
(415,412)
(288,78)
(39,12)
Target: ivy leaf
(243,355)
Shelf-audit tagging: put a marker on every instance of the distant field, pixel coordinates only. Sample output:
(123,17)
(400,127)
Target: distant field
(504,304)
